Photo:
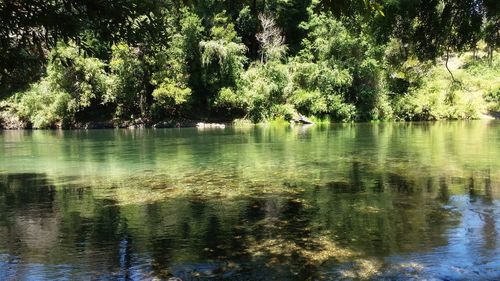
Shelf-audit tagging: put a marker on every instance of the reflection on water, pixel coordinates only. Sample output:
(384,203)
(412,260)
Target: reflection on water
(366,201)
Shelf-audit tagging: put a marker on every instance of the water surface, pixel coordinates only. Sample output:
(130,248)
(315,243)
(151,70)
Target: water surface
(358,201)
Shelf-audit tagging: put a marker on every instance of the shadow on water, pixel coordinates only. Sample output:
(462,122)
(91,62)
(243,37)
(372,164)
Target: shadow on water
(393,228)
(26,189)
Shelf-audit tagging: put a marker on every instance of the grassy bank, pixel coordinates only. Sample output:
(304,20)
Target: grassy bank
(471,93)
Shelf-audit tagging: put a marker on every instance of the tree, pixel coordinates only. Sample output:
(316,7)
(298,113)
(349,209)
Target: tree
(223,55)
(271,39)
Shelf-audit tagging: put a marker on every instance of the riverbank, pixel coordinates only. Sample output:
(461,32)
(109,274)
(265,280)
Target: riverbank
(186,123)
(11,122)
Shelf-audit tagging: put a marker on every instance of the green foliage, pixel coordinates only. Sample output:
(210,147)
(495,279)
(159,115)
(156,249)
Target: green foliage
(42,106)
(73,84)
(172,76)
(32,28)
(149,61)
(170,93)
(223,55)
(262,92)
(228,55)
(246,23)
(482,76)
(82,77)
(493,98)
(126,80)
(437,97)
(266,87)
(321,90)
(227,98)
(348,69)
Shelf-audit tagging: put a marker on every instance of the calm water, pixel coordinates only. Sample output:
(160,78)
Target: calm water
(367,201)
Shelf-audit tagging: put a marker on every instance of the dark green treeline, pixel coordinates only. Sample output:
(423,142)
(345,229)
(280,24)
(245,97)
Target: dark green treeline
(64,62)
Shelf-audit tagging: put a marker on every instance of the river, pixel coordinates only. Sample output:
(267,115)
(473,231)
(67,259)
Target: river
(404,201)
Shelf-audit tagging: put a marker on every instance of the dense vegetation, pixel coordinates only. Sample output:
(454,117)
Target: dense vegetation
(143,61)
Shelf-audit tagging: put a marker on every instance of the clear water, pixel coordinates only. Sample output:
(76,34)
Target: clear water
(393,201)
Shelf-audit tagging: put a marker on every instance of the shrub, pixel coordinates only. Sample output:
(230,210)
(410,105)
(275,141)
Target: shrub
(126,80)
(43,107)
(73,84)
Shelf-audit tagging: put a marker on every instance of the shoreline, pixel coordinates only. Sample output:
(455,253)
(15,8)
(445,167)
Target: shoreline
(215,124)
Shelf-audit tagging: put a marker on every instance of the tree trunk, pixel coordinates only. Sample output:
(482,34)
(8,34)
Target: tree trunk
(447,68)
(490,55)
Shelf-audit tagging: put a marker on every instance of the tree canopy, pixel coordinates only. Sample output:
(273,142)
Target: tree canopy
(344,59)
